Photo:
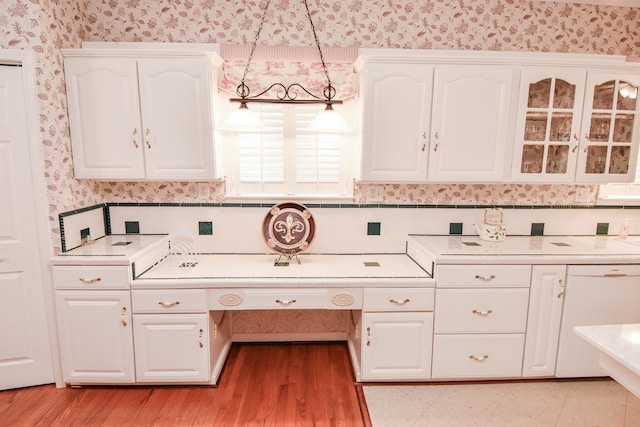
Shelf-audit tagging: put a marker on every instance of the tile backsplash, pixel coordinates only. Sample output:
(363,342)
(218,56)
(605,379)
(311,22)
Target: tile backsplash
(346,228)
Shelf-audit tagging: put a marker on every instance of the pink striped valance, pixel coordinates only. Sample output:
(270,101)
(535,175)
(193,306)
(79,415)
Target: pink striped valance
(288,65)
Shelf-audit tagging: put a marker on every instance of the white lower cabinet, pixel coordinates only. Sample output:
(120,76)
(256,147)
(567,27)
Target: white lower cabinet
(480,321)
(477,355)
(397,329)
(96,342)
(171,347)
(543,324)
(175,336)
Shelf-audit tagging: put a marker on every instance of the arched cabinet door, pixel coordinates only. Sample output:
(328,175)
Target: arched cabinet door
(610,128)
(471,125)
(397,103)
(547,132)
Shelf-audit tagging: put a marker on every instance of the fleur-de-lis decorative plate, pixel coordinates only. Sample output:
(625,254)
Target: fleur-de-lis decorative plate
(288,228)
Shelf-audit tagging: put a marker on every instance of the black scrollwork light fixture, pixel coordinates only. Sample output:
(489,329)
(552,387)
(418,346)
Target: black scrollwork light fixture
(287,94)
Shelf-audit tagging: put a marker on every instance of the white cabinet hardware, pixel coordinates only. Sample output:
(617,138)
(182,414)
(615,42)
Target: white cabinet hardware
(168,304)
(486,278)
(479,358)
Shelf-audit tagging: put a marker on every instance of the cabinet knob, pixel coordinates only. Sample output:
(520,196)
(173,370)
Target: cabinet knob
(90,281)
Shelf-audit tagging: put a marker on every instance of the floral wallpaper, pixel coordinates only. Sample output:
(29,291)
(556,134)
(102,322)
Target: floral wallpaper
(45,26)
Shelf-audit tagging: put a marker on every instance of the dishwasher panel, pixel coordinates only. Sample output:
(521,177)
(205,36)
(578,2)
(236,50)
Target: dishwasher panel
(594,295)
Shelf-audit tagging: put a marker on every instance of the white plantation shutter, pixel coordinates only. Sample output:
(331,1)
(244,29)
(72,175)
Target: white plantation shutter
(286,159)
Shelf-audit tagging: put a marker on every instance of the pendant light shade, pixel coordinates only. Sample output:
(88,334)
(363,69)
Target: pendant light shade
(244,120)
(329,120)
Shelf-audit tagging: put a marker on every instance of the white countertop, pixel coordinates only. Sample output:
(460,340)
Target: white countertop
(258,270)
(620,347)
(523,249)
(116,249)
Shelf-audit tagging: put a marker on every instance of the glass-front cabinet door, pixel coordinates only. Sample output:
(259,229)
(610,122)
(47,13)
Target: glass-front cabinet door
(548,127)
(610,129)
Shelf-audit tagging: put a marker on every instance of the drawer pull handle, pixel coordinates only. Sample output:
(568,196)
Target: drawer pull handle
(285,301)
(168,304)
(396,302)
(479,359)
(90,281)
(123,314)
(615,275)
(200,343)
(485,278)
(482,313)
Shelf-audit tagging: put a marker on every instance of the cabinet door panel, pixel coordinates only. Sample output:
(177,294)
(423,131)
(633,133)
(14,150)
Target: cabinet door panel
(172,347)
(104,118)
(610,128)
(396,346)
(543,324)
(546,137)
(471,123)
(175,100)
(96,340)
(396,119)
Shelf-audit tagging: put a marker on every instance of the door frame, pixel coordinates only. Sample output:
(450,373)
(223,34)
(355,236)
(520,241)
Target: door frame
(27,60)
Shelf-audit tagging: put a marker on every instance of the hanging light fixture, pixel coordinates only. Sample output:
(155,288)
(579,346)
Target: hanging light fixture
(245,119)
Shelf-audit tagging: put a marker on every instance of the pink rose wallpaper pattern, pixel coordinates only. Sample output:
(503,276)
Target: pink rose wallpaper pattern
(46,26)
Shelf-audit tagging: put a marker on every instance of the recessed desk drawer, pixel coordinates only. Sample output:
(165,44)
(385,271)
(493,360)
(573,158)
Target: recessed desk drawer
(398,299)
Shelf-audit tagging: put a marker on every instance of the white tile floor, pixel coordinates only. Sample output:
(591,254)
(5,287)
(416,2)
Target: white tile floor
(541,403)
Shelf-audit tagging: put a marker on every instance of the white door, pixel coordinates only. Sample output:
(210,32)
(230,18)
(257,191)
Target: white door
(25,354)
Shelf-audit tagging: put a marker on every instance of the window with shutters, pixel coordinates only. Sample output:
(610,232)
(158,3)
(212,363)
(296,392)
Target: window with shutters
(286,159)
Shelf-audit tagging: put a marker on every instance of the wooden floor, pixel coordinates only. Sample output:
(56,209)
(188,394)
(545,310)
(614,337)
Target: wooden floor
(284,384)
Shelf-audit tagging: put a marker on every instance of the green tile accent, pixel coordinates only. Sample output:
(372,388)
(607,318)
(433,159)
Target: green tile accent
(602,229)
(205,228)
(84,233)
(455,228)
(537,229)
(373,229)
(132,227)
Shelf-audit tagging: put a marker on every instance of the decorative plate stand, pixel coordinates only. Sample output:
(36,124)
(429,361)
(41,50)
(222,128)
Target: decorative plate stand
(288,229)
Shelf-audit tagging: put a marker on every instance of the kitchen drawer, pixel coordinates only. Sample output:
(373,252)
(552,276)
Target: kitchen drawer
(398,299)
(477,356)
(481,310)
(245,299)
(285,298)
(487,276)
(83,277)
(167,301)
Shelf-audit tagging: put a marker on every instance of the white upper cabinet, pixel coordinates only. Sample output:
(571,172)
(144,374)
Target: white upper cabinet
(104,117)
(610,128)
(141,118)
(470,130)
(548,125)
(397,102)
